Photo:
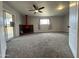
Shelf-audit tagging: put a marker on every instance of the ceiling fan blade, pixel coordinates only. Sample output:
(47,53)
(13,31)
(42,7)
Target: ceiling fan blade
(35,6)
(31,10)
(34,12)
(40,11)
(41,8)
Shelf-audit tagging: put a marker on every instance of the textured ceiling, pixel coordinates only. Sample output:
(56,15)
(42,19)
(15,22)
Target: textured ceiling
(49,10)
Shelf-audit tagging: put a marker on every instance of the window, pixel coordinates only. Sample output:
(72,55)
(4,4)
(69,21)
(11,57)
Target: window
(44,22)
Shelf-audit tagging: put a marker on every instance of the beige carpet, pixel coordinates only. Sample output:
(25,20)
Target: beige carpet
(41,45)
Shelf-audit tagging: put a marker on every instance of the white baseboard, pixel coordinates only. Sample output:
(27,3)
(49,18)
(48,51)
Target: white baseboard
(52,32)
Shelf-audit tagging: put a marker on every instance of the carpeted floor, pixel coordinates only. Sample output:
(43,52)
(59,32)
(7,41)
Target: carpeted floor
(42,45)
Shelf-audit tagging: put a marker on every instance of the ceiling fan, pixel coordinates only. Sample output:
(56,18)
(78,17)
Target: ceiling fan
(37,9)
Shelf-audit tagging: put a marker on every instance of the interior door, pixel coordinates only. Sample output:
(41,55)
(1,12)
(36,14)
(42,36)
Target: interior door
(73,23)
(2,35)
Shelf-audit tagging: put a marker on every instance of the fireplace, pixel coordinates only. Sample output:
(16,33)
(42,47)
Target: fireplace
(25,29)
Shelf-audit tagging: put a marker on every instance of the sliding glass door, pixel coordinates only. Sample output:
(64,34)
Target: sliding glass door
(9,25)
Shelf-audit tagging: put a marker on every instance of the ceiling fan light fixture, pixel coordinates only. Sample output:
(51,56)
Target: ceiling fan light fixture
(36,10)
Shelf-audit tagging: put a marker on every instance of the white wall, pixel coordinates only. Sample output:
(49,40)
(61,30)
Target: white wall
(73,30)
(18,17)
(23,21)
(2,36)
(66,22)
(57,23)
